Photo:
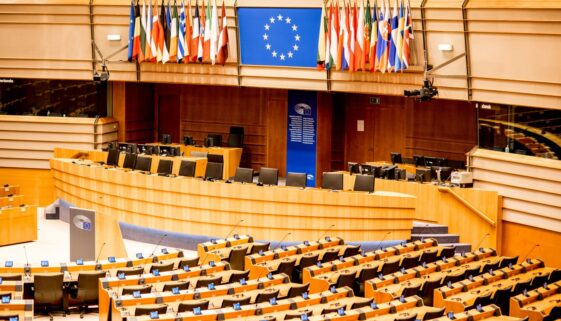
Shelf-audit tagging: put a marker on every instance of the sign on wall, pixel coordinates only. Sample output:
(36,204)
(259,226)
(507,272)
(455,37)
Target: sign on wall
(302,130)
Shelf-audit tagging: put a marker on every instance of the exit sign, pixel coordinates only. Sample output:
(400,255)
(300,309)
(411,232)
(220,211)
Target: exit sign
(374,100)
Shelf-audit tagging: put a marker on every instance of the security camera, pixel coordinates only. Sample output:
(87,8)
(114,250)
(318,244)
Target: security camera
(427,92)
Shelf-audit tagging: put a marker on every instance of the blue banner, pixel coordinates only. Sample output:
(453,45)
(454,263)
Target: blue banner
(279,36)
(302,128)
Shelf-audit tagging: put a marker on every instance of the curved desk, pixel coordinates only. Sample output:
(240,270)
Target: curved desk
(194,206)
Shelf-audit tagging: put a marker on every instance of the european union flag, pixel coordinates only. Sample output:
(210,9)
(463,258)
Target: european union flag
(279,36)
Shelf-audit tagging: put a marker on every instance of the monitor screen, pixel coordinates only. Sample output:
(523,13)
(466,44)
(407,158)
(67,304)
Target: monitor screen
(435,161)
(332,181)
(143,164)
(166,139)
(419,160)
(353,168)
(396,158)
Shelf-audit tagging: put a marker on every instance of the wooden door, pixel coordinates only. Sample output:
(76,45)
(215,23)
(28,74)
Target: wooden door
(169,119)
(359,134)
(389,131)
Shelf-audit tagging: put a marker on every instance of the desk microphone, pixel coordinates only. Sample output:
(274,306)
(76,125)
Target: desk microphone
(159,242)
(380,244)
(481,241)
(27,268)
(532,250)
(283,238)
(326,230)
(99,253)
(232,230)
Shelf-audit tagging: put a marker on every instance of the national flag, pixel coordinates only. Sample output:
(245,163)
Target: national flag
(174,31)
(131,32)
(207,34)
(343,48)
(181,45)
(366,36)
(150,44)
(136,52)
(360,39)
(334,36)
(407,36)
(155,39)
(352,38)
(143,54)
(200,53)
(164,33)
(393,37)
(321,39)
(188,48)
(382,47)
(373,38)
(399,41)
(328,58)
(195,35)
(223,40)
(214,33)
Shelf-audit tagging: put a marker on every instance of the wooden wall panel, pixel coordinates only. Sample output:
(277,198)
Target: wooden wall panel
(36,185)
(520,239)
(323,135)
(140,113)
(277,123)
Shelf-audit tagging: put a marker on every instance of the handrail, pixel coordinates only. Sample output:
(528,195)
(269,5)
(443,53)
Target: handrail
(467,204)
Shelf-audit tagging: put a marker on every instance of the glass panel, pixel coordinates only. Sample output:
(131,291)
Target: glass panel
(521,130)
(39,97)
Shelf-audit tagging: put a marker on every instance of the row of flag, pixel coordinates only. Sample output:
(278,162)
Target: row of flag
(351,39)
(177,37)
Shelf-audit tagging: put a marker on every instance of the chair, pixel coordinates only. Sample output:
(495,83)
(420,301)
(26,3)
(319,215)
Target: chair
(364,183)
(188,262)
(236,137)
(390,266)
(482,300)
(346,279)
(434,314)
(539,280)
(48,293)
(11,277)
(427,292)
(113,157)
(189,307)
(332,310)
(555,276)
(130,161)
(287,267)
(362,303)
(236,258)
(501,299)
(554,314)
(268,176)
(143,289)
(266,295)
(447,252)
(297,290)
(332,181)
(296,179)
(351,250)
(521,286)
(260,247)
(412,317)
(143,164)
(506,261)
(329,256)
(410,261)
(198,154)
(208,280)
(244,175)
(181,285)
(236,276)
(429,256)
(367,273)
(135,270)
(165,167)
(212,140)
(490,266)
(237,298)
(161,267)
(86,292)
(147,309)
(474,271)
(453,278)
(214,170)
(411,290)
(187,168)
(305,261)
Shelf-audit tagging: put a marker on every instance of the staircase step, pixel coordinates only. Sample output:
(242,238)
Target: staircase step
(440,238)
(460,247)
(428,228)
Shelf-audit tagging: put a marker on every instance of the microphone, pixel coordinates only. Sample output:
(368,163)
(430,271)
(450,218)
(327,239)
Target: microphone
(27,268)
(236,226)
(159,242)
(99,253)
(481,241)
(532,250)
(327,230)
(279,243)
(383,239)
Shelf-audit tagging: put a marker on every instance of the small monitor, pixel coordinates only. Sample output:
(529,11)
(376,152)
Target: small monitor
(44,263)
(144,149)
(164,250)
(15,318)
(243,281)
(211,286)
(366,169)
(270,276)
(155,272)
(353,168)
(111,259)
(9,263)
(341,311)
(435,161)
(79,262)
(121,276)
(273,301)
(197,311)
(0,280)
(423,174)
(305,296)
(188,140)
(166,139)
(211,263)
(175,290)
(396,158)
(154,315)
(6,299)
(237,306)
(388,172)
(186,268)
(136,294)
(419,160)
(139,256)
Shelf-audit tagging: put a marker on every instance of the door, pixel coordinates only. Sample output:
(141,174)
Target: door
(169,118)
(359,134)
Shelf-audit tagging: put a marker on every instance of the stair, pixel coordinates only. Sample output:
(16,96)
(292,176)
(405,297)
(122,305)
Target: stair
(440,233)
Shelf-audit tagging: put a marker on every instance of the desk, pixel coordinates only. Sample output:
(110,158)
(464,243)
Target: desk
(232,156)
(191,206)
(537,303)
(18,225)
(205,247)
(9,189)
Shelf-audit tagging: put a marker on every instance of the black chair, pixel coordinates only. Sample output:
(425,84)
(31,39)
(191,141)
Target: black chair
(11,277)
(351,250)
(86,292)
(366,273)
(390,266)
(181,285)
(490,266)
(521,286)
(113,157)
(236,137)
(501,298)
(148,309)
(266,295)
(212,140)
(165,167)
(260,247)
(539,280)
(48,293)
(453,278)
(555,276)
(411,317)
(161,267)
(135,270)
(187,168)
(332,181)
(447,252)
(214,170)
(268,176)
(329,255)
(482,300)
(305,261)
(130,161)
(362,303)
(142,289)
(410,261)
(296,179)
(236,276)
(287,266)
(208,280)
(434,314)
(346,279)
(411,290)
(189,307)
(238,298)
(427,292)
(236,258)
(364,183)
(244,175)
(474,271)
(506,261)
(297,290)
(188,262)
(429,256)
(554,314)
(143,164)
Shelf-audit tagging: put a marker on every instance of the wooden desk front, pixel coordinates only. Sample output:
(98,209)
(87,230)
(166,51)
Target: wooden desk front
(18,225)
